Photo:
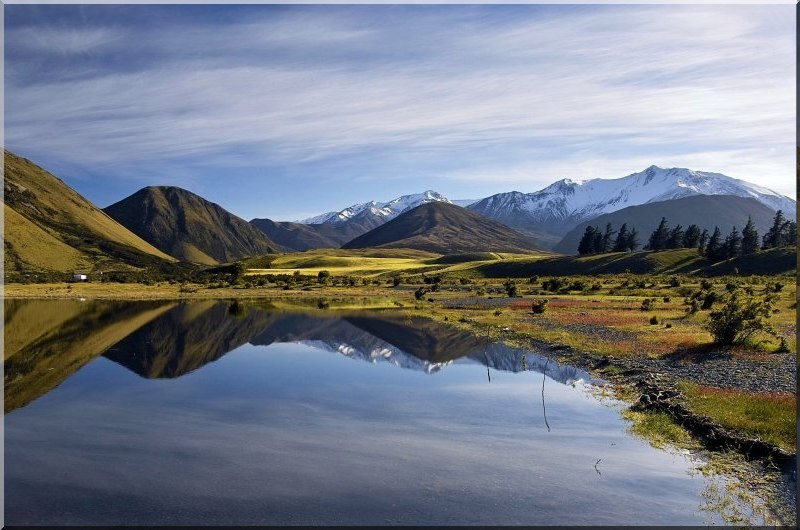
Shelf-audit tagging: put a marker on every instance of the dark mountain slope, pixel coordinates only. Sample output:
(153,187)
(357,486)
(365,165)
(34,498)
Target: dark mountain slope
(444,228)
(188,227)
(301,237)
(706,211)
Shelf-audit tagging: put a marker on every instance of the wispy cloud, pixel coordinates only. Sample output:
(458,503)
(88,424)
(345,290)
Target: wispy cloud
(479,93)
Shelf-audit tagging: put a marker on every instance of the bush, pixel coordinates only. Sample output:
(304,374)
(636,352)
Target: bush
(322,276)
(539,306)
(577,285)
(323,304)
(776,288)
(667,299)
(396,281)
(739,318)
(674,282)
(667,325)
(708,300)
(654,320)
(706,285)
(420,293)
(596,287)
(533,279)
(648,304)
(553,284)
(511,288)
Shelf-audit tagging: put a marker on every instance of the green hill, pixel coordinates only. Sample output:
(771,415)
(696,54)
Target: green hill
(681,261)
(51,228)
(188,227)
(445,229)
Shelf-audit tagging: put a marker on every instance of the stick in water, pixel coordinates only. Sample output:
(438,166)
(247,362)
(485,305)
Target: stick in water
(544,409)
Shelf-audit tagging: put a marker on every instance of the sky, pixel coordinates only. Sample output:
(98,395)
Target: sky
(289,111)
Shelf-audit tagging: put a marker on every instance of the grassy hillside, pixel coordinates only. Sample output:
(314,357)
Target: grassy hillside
(50,227)
(685,261)
(188,227)
(445,229)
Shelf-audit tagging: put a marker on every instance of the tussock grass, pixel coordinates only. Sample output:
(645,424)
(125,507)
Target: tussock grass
(770,416)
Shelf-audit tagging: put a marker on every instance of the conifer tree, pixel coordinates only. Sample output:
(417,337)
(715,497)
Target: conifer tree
(712,250)
(691,238)
(659,237)
(621,243)
(749,237)
(774,236)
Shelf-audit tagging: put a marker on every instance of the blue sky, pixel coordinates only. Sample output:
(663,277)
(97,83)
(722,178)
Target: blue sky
(289,111)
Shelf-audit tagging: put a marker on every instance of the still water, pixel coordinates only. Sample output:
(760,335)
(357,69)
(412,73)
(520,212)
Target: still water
(210,413)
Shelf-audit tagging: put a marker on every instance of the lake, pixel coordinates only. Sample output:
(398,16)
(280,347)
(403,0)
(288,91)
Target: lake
(215,412)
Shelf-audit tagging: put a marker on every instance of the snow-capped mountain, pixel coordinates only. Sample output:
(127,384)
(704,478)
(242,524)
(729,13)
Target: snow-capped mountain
(551,212)
(384,211)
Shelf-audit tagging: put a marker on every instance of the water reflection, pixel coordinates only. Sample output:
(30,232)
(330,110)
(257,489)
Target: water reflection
(285,430)
(49,340)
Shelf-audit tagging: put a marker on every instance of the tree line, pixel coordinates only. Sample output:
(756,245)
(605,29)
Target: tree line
(783,232)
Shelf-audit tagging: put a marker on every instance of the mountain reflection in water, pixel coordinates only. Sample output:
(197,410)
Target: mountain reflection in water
(51,340)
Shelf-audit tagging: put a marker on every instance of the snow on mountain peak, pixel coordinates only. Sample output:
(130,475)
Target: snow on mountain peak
(385,210)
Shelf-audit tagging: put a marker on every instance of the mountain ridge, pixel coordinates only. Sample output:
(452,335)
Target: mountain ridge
(444,228)
(189,227)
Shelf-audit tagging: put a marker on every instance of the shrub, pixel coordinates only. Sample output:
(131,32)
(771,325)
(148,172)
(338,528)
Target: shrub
(730,286)
(323,304)
(481,291)
(648,304)
(667,325)
(533,279)
(667,299)
(708,300)
(596,287)
(694,307)
(539,306)
(706,285)
(739,318)
(397,281)
(511,288)
(577,285)
(322,276)
(776,288)
(674,282)
(654,320)
(420,293)
(553,284)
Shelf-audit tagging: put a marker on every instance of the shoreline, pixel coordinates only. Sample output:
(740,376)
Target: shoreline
(647,384)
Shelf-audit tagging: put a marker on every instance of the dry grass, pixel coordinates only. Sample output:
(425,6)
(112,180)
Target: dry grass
(770,416)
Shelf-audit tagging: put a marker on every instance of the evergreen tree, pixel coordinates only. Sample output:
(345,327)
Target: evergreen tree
(691,238)
(597,241)
(606,243)
(621,243)
(701,244)
(659,237)
(774,236)
(633,240)
(586,244)
(790,237)
(733,245)
(749,237)
(675,239)
(714,246)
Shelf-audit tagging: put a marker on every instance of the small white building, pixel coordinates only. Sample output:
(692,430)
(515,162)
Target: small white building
(78,277)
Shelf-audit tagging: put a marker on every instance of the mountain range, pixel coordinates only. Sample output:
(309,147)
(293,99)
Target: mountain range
(549,214)
(51,228)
